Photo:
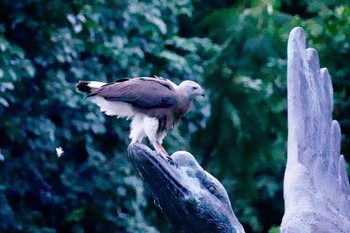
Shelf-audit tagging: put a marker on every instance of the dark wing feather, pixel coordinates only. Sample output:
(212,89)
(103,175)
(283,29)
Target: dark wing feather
(141,92)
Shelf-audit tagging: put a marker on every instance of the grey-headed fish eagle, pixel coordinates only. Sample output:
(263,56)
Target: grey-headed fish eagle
(154,105)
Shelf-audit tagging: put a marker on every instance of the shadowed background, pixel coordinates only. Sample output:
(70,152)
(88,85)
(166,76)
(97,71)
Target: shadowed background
(235,49)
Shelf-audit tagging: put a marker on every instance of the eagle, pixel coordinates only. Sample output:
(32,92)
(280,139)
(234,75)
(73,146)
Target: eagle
(154,104)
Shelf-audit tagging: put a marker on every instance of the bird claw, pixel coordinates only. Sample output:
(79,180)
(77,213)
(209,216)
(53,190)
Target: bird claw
(171,161)
(168,159)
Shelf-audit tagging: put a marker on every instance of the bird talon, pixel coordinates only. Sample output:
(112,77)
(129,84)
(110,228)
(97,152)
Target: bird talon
(171,161)
(167,158)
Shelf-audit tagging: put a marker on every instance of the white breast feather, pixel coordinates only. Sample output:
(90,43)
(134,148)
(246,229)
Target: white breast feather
(113,108)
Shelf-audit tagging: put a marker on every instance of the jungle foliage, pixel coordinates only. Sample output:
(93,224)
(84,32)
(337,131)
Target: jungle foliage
(235,49)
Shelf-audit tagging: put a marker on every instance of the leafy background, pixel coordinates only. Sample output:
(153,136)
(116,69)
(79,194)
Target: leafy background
(235,49)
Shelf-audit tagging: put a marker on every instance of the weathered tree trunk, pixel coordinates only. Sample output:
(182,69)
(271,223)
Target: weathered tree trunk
(316,186)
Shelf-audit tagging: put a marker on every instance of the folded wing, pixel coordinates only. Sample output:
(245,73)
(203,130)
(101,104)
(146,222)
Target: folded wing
(143,93)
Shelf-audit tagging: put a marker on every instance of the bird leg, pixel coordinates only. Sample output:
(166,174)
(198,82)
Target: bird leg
(162,152)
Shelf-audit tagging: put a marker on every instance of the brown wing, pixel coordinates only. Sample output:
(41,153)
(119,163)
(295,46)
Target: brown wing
(141,92)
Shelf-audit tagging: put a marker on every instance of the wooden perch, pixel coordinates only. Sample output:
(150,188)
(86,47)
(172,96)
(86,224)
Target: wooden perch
(316,186)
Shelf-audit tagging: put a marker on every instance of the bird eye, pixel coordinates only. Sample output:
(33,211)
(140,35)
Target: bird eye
(194,88)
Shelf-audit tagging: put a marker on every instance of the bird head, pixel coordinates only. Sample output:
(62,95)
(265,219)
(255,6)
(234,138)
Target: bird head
(191,89)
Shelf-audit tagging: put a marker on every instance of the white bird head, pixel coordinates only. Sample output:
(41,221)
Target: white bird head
(191,89)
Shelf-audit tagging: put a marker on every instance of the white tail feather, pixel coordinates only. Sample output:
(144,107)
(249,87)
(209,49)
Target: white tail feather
(95,84)
(113,108)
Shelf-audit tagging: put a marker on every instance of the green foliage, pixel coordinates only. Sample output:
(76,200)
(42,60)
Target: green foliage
(247,85)
(274,229)
(236,51)
(46,47)
(249,89)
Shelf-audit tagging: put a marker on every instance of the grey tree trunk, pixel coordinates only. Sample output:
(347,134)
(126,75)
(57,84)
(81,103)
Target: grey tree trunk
(316,186)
